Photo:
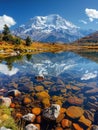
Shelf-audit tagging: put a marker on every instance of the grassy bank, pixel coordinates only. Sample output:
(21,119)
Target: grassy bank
(9,49)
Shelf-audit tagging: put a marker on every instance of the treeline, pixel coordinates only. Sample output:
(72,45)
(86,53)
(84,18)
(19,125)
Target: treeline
(8,37)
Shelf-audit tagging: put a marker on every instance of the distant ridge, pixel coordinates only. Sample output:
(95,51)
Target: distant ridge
(92,39)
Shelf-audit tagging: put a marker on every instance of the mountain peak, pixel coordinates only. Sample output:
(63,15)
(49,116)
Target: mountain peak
(51,28)
(53,20)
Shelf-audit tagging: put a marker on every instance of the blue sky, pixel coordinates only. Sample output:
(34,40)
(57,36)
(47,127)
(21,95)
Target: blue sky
(83,13)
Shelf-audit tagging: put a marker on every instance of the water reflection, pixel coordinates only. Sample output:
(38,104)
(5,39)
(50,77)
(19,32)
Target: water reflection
(68,66)
(5,70)
(89,54)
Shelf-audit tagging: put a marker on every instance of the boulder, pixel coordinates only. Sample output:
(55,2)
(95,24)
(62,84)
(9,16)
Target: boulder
(75,100)
(31,127)
(66,123)
(26,100)
(4,128)
(52,112)
(74,112)
(39,88)
(14,93)
(36,110)
(5,101)
(75,88)
(29,117)
(77,126)
(93,127)
(58,128)
(85,121)
(60,117)
(46,102)
(62,110)
(42,95)
(38,119)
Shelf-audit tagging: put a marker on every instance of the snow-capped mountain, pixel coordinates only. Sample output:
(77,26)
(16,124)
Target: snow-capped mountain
(51,28)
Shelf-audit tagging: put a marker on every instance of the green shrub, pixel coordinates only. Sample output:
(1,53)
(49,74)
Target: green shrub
(16,41)
(6,119)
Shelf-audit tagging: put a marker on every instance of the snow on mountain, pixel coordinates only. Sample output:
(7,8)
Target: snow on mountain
(51,28)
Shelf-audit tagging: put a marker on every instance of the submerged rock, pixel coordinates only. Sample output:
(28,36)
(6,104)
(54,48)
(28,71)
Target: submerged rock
(31,127)
(29,117)
(74,112)
(42,95)
(75,100)
(5,101)
(52,112)
(39,88)
(46,102)
(93,127)
(27,100)
(4,128)
(85,121)
(66,123)
(60,117)
(77,126)
(36,110)
(58,128)
(14,93)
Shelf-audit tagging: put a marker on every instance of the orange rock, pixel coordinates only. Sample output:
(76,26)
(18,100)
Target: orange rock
(42,95)
(58,102)
(60,118)
(46,102)
(39,88)
(68,87)
(74,112)
(77,127)
(75,100)
(38,119)
(38,126)
(18,115)
(62,110)
(85,121)
(27,100)
(66,123)
(12,105)
(58,128)
(36,110)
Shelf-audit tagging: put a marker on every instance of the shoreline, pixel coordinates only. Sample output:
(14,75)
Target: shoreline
(8,49)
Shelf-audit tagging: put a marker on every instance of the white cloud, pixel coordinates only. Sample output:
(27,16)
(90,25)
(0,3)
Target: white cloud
(89,75)
(4,70)
(92,14)
(83,21)
(9,21)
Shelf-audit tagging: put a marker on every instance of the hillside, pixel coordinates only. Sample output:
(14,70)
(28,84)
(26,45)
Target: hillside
(91,40)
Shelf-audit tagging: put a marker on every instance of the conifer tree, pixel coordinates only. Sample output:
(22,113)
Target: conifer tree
(28,41)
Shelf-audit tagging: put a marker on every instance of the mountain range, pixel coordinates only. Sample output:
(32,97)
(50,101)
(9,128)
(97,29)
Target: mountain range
(51,28)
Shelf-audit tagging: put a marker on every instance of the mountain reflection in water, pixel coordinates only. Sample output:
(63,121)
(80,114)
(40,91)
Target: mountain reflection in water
(70,67)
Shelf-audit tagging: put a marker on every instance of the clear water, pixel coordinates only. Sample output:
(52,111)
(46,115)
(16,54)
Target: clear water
(77,69)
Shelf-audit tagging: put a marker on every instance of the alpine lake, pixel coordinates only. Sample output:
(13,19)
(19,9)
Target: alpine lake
(70,79)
